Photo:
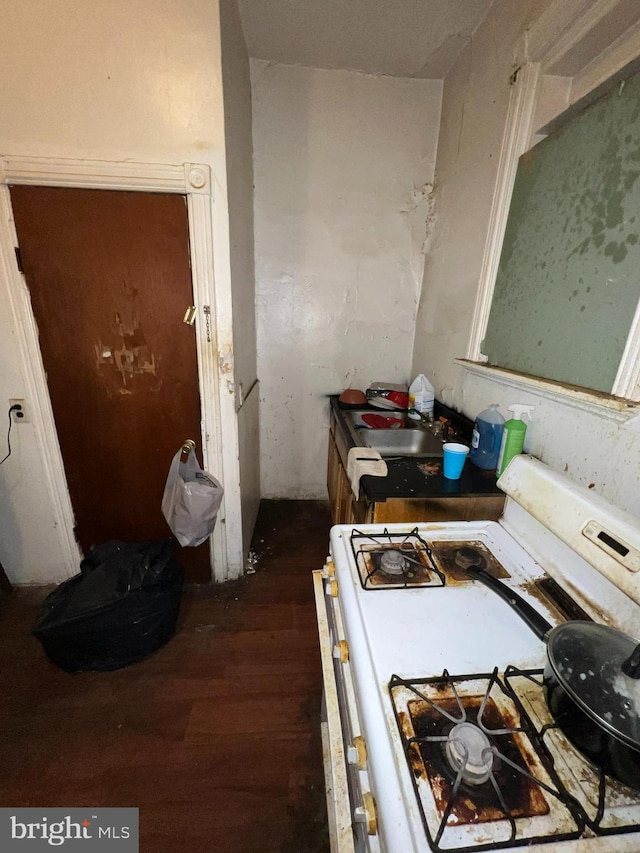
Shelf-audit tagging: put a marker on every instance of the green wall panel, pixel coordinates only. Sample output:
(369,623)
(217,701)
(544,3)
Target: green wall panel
(569,276)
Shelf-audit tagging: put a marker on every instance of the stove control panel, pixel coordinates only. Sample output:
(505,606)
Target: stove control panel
(613,545)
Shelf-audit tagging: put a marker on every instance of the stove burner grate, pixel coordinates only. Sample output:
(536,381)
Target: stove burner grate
(477,764)
(394,560)
(608,806)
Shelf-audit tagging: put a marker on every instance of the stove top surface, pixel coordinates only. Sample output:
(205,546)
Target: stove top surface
(414,633)
(438,617)
(489,765)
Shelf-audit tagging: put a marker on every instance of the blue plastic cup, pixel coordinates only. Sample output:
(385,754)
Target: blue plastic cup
(454,458)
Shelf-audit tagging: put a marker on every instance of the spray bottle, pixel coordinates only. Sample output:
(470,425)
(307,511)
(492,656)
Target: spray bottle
(513,436)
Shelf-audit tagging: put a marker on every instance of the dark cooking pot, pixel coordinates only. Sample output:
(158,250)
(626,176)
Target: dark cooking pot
(591,684)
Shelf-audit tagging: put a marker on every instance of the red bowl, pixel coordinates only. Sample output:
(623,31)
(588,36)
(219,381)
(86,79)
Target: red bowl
(399,398)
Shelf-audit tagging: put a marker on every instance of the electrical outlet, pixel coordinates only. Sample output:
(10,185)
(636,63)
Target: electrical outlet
(22,416)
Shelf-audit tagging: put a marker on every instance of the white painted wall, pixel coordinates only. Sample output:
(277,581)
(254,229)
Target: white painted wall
(239,170)
(239,163)
(590,448)
(340,163)
(112,81)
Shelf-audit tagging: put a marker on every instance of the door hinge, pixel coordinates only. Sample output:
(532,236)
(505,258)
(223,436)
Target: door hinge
(18,259)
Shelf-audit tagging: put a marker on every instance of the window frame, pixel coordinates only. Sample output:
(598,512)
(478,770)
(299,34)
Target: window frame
(562,26)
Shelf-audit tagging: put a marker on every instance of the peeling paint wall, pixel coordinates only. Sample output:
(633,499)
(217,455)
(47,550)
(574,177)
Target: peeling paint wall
(343,207)
(567,285)
(593,450)
(475,100)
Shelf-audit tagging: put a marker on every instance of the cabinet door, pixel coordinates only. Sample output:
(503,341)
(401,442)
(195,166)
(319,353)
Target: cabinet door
(344,507)
(339,488)
(346,498)
(334,467)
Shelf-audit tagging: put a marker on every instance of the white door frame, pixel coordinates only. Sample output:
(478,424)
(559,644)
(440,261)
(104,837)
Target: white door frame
(189,179)
(560,28)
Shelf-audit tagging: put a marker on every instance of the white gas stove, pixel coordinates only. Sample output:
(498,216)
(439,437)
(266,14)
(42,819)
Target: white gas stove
(414,649)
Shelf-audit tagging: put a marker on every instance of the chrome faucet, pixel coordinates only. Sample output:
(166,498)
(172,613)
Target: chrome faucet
(427,421)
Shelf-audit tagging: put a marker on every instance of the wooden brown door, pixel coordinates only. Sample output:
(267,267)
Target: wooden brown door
(110,280)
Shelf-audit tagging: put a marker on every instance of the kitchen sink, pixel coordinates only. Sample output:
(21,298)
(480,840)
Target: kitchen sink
(401,442)
(412,439)
(355,418)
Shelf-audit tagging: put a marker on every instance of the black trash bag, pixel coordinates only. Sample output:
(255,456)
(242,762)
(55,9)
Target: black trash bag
(121,607)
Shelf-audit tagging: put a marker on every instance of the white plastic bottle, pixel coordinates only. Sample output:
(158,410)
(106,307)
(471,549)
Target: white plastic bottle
(421,397)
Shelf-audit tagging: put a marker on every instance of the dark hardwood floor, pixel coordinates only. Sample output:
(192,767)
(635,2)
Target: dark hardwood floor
(215,737)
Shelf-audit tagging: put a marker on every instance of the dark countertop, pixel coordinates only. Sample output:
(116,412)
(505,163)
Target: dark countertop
(406,479)
(420,477)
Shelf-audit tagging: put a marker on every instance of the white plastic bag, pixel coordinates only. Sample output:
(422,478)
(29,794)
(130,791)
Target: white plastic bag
(191,500)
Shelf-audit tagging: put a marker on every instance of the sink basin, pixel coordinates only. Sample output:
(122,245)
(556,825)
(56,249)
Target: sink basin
(356,420)
(401,442)
(410,440)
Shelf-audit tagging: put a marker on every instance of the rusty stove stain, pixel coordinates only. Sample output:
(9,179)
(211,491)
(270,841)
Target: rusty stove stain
(473,803)
(559,600)
(444,553)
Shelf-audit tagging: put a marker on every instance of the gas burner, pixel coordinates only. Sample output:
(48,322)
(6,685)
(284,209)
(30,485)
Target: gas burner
(468,557)
(393,563)
(469,753)
(394,560)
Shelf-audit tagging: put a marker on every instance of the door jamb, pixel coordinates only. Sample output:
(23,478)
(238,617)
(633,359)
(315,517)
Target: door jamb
(189,179)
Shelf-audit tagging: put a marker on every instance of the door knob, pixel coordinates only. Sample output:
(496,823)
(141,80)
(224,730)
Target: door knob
(186,449)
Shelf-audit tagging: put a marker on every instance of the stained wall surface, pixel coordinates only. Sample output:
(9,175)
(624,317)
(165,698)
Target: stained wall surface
(594,449)
(475,101)
(343,165)
(567,285)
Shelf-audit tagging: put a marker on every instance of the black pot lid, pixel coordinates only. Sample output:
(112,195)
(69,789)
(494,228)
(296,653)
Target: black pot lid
(588,660)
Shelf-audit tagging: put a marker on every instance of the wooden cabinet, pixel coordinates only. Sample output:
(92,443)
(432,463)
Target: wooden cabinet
(337,484)
(472,508)
(345,509)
